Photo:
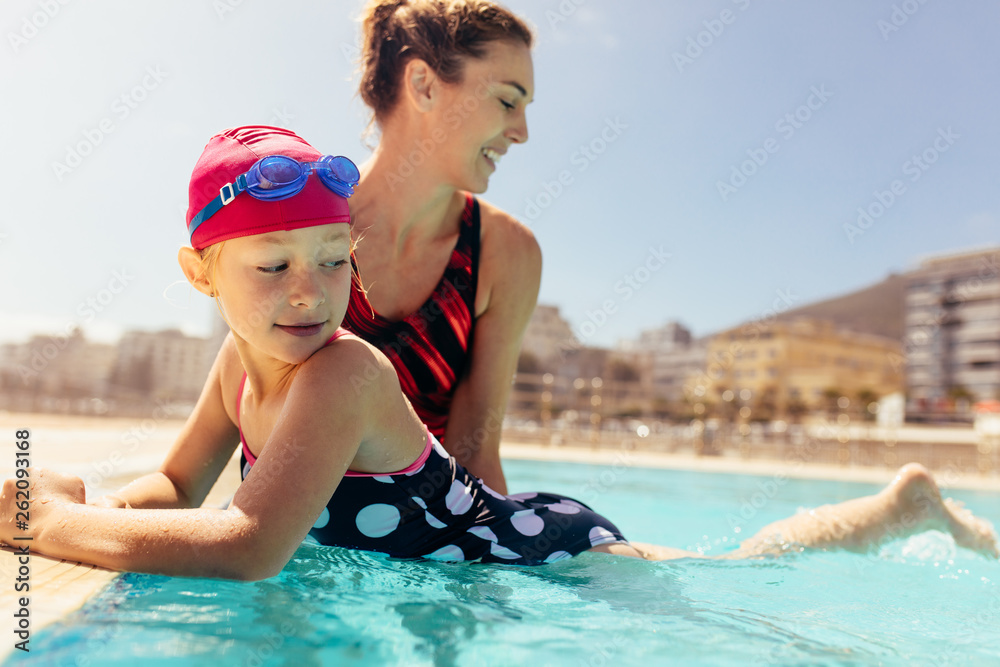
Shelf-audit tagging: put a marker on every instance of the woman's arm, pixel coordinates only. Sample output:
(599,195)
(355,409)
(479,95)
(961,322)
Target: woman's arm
(202,449)
(509,276)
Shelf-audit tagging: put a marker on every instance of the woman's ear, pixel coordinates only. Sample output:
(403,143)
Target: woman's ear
(420,84)
(190,263)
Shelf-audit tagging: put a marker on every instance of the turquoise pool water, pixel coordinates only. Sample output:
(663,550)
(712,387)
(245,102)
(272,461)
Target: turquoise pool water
(916,602)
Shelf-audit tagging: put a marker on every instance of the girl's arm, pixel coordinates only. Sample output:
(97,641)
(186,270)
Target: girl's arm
(315,439)
(202,449)
(510,267)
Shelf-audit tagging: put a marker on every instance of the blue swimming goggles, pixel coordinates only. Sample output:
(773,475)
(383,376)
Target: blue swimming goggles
(279,177)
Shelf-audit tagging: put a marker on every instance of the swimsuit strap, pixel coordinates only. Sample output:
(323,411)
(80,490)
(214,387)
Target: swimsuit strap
(413,467)
(430,347)
(239,397)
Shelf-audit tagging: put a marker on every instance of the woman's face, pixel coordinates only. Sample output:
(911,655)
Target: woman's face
(286,292)
(484,114)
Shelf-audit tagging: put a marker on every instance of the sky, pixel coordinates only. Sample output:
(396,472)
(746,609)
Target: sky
(705,162)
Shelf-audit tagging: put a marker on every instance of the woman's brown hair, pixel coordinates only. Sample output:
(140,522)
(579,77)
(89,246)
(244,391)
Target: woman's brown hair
(442,33)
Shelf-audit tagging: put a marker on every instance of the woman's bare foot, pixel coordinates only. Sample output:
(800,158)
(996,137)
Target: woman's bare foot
(910,504)
(917,506)
(969,530)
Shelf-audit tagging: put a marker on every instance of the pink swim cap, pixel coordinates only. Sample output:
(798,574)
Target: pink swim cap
(231,153)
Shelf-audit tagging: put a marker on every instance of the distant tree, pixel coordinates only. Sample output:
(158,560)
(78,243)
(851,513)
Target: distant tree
(795,409)
(528,363)
(766,404)
(622,371)
(961,397)
(830,396)
(865,398)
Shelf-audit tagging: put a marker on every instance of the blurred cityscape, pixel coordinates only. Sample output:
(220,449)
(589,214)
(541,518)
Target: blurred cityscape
(917,348)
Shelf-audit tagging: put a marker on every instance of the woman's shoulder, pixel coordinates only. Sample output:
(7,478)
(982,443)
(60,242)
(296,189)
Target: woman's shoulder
(500,226)
(507,244)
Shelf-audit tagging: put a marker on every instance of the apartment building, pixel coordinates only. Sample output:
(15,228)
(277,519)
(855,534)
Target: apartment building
(952,341)
(548,336)
(790,367)
(162,364)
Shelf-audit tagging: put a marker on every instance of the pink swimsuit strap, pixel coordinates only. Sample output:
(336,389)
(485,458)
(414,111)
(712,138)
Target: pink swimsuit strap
(350,473)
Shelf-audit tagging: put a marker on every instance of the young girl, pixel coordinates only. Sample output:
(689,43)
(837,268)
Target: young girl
(330,445)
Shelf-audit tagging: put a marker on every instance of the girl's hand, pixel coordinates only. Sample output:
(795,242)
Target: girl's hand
(23,511)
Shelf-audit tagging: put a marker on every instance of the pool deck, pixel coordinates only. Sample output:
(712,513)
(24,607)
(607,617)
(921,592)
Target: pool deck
(108,453)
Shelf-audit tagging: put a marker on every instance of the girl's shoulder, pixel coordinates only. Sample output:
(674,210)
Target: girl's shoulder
(349,364)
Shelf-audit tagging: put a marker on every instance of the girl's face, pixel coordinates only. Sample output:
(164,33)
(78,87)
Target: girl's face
(485,113)
(286,292)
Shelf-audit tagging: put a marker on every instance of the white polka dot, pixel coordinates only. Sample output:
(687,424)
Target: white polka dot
(420,501)
(433,521)
(503,552)
(458,499)
(523,496)
(378,520)
(324,518)
(439,448)
(448,553)
(414,472)
(493,493)
(557,555)
(600,535)
(563,508)
(385,479)
(573,503)
(483,532)
(527,522)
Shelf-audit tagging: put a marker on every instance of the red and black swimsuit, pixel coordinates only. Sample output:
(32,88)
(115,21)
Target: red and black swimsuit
(429,348)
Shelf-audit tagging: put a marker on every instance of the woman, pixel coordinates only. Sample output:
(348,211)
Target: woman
(451,281)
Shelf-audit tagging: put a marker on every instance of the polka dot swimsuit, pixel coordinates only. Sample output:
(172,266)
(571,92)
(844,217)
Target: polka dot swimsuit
(436,509)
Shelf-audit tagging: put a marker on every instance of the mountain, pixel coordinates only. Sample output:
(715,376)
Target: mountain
(878,309)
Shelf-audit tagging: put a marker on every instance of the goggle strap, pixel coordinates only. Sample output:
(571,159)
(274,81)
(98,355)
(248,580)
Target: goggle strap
(227,193)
